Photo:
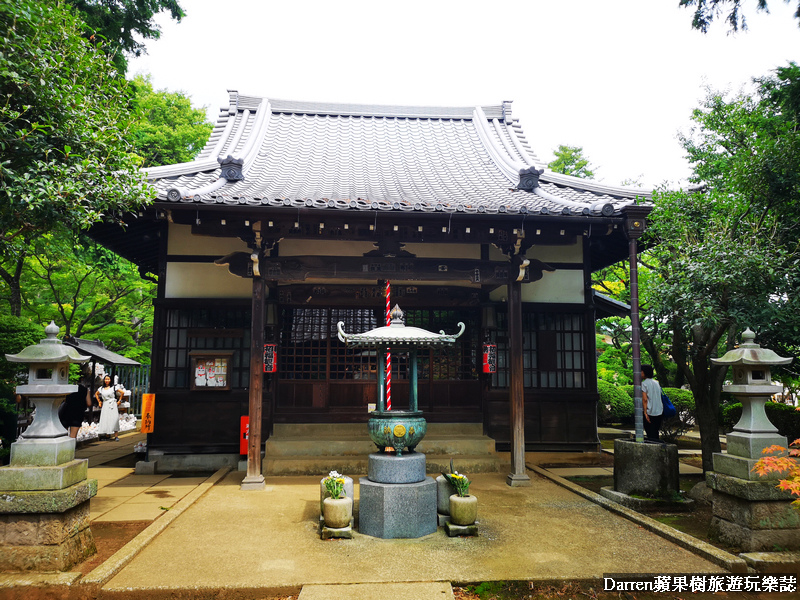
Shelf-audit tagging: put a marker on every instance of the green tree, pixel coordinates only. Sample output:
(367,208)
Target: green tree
(166,128)
(90,292)
(120,23)
(720,270)
(64,160)
(705,11)
(569,160)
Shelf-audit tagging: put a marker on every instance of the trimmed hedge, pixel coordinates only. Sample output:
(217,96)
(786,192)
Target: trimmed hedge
(613,404)
(786,418)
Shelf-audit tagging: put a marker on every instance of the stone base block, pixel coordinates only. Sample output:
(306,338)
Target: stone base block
(750,445)
(752,540)
(390,468)
(442,519)
(47,501)
(647,504)
(145,467)
(40,452)
(328,533)
(444,489)
(646,469)
(389,511)
(454,530)
(776,514)
(737,466)
(45,542)
(58,477)
(745,489)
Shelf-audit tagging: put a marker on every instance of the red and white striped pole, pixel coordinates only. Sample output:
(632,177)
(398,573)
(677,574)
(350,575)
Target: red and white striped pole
(388,350)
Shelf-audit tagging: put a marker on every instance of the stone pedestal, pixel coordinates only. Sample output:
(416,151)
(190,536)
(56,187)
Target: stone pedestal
(752,515)
(646,469)
(391,505)
(46,530)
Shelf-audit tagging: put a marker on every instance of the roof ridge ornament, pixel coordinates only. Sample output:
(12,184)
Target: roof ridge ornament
(231,168)
(529,179)
(398,317)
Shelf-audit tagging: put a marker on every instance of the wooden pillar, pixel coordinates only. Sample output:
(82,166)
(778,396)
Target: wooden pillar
(255,479)
(518,476)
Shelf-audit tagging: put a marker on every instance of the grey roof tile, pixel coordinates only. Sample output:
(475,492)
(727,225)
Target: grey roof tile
(367,157)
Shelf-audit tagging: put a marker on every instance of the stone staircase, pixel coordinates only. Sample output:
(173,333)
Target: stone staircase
(317,448)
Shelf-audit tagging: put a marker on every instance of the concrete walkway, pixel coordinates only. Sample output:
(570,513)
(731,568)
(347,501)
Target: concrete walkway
(268,541)
(208,537)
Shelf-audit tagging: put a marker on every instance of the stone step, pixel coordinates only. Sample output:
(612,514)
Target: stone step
(314,430)
(354,466)
(314,448)
(361,446)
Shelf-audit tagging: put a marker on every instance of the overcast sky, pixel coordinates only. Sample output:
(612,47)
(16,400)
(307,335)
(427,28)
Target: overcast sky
(617,77)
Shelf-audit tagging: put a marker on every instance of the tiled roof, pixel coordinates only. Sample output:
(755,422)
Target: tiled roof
(347,156)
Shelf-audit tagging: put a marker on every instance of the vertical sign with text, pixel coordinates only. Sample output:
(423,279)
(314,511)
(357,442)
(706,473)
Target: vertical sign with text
(148,410)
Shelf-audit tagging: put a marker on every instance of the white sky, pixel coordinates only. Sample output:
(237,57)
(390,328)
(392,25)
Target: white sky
(617,77)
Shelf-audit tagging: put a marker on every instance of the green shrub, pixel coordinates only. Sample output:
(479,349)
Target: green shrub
(684,420)
(786,418)
(613,404)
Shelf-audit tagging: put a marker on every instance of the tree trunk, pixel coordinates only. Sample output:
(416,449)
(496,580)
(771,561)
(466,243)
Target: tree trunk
(655,358)
(14,286)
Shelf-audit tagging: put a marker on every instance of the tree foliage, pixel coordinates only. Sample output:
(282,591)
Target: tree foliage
(64,160)
(119,24)
(90,292)
(705,11)
(166,129)
(724,255)
(569,160)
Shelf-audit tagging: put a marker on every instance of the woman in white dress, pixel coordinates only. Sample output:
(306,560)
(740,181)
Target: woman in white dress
(109,409)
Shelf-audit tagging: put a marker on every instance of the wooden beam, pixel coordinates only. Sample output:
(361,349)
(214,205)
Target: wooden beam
(296,269)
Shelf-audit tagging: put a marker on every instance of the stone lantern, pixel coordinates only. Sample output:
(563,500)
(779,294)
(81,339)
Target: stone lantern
(44,516)
(752,386)
(749,511)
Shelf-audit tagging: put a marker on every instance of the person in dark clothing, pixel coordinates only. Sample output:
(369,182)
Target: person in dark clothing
(73,409)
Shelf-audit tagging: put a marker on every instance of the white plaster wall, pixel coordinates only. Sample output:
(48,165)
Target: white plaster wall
(559,287)
(572,253)
(472,251)
(181,241)
(205,280)
(324,248)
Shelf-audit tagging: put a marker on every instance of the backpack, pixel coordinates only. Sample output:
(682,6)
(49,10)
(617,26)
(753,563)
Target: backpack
(669,410)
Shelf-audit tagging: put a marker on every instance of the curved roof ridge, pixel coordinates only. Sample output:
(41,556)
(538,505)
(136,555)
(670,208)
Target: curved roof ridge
(590,185)
(377,110)
(498,153)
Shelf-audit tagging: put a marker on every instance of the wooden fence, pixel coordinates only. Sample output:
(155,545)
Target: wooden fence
(137,380)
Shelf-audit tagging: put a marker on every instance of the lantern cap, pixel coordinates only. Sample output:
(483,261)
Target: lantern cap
(750,353)
(48,351)
(397,335)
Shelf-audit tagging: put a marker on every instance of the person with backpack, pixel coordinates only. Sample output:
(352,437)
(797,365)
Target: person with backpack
(652,407)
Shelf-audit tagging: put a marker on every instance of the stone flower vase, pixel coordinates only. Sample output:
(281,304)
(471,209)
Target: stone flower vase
(337,513)
(463,510)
